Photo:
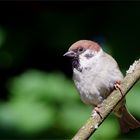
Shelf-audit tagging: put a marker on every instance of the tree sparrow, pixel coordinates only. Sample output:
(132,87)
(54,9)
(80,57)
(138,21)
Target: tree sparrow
(95,74)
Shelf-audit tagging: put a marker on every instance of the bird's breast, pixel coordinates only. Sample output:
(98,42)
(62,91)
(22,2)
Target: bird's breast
(90,87)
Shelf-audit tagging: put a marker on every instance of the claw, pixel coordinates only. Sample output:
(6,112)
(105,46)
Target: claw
(98,110)
(118,86)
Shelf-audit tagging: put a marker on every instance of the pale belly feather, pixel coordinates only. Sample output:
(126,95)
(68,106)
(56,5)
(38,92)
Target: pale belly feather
(92,89)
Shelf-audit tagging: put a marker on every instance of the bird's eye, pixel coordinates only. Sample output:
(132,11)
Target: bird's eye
(80,49)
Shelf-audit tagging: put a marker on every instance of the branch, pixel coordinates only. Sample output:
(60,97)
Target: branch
(133,75)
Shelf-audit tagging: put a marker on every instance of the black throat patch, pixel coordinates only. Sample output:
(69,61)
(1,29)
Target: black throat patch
(76,64)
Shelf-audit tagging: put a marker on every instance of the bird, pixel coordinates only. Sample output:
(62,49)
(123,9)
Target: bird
(96,74)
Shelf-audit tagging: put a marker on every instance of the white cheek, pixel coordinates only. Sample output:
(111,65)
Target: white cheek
(88,62)
(84,61)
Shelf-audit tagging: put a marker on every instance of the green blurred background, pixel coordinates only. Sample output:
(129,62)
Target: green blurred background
(38,99)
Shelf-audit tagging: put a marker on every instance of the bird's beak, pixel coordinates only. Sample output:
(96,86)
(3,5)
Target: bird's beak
(70,54)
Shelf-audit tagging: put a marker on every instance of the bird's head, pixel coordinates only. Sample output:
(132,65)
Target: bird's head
(83,53)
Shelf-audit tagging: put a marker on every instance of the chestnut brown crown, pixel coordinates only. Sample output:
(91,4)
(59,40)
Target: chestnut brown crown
(80,46)
(85,44)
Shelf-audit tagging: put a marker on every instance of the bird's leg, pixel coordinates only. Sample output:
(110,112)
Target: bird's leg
(98,110)
(118,86)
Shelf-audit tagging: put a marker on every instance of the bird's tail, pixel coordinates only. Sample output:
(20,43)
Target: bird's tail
(126,120)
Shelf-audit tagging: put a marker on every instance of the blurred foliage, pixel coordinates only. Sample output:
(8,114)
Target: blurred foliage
(38,97)
(41,101)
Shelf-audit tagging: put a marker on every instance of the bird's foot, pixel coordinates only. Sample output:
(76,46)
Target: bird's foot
(98,110)
(118,86)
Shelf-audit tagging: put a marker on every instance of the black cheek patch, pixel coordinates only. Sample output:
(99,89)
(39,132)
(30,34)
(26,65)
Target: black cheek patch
(89,55)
